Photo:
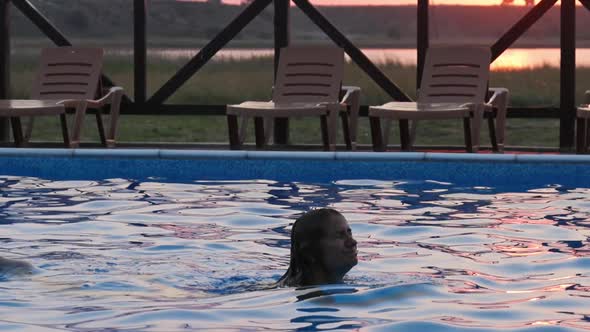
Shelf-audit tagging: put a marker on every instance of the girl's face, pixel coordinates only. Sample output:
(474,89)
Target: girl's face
(338,247)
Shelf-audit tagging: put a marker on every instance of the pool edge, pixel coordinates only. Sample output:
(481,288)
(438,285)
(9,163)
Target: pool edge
(288,155)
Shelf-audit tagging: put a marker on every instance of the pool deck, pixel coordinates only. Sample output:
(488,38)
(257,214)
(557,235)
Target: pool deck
(221,146)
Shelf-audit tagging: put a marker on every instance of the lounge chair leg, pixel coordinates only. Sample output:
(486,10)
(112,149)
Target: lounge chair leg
(78,124)
(376,134)
(17,131)
(64,129)
(243,128)
(386,131)
(353,114)
(234,137)
(259,132)
(404,134)
(114,118)
(346,131)
(492,130)
(413,130)
(581,136)
(333,112)
(268,129)
(29,129)
(100,126)
(324,129)
(477,119)
(467,134)
(500,115)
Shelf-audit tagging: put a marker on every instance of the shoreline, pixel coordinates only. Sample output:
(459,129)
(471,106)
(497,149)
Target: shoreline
(163,42)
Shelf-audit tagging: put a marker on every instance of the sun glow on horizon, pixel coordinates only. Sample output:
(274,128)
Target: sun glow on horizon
(403,2)
(344,3)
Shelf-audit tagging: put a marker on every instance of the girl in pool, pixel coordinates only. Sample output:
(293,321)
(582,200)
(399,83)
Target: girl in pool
(322,249)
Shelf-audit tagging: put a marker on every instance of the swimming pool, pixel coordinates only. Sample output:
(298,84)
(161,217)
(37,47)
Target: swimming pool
(156,240)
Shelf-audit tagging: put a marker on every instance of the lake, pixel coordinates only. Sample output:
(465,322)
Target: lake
(516,58)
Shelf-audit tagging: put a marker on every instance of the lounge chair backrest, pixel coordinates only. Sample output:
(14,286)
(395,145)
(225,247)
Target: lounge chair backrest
(309,74)
(455,74)
(68,73)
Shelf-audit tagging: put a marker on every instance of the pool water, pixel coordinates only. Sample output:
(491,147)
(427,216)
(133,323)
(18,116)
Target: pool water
(153,255)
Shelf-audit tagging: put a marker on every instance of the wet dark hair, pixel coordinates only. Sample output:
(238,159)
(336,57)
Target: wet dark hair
(306,234)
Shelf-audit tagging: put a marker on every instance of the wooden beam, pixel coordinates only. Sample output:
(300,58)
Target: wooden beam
(281,28)
(4,49)
(540,112)
(423,39)
(355,54)
(58,38)
(139,50)
(4,62)
(521,27)
(174,109)
(38,19)
(282,37)
(207,52)
(568,76)
(533,113)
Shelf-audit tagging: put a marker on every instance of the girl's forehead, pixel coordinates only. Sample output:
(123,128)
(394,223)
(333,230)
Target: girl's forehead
(336,222)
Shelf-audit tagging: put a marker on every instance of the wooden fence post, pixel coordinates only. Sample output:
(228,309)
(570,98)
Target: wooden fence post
(139,50)
(281,26)
(568,76)
(4,62)
(422,38)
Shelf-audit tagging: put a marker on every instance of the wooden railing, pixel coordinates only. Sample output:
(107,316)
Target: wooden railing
(141,104)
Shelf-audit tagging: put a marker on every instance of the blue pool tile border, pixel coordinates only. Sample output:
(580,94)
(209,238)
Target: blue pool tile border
(112,153)
(201,154)
(24,152)
(380,156)
(466,157)
(569,159)
(189,165)
(290,155)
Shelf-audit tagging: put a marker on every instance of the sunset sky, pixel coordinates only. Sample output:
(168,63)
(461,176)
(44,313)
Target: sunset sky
(403,2)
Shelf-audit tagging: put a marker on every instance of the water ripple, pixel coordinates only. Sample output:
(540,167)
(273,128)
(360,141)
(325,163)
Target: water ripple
(130,255)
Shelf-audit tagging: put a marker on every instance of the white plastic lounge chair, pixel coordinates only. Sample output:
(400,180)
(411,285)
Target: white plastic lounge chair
(308,83)
(69,77)
(582,130)
(454,85)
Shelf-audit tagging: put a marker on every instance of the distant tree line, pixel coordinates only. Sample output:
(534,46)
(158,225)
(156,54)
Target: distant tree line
(198,22)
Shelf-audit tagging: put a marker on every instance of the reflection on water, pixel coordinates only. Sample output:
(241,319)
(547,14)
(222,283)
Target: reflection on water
(153,256)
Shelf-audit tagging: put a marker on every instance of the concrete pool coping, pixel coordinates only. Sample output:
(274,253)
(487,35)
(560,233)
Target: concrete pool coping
(290,155)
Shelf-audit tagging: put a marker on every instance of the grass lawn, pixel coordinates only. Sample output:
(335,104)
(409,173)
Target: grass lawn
(232,81)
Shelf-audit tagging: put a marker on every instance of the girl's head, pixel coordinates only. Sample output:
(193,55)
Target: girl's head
(322,249)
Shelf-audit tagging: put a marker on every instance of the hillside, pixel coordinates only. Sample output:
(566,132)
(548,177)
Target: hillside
(196,23)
